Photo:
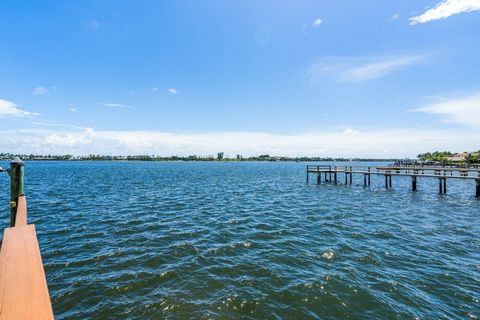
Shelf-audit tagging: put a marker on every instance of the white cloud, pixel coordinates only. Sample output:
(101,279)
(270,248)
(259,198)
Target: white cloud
(94,24)
(172,90)
(40,90)
(115,105)
(356,69)
(10,109)
(446,9)
(463,110)
(395,17)
(317,22)
(400,142)
(350,131)
(72,109)
(153,89)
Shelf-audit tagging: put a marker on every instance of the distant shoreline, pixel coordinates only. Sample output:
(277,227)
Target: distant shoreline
(263,158)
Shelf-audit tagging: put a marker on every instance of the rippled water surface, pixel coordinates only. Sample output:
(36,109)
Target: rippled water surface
(177,240)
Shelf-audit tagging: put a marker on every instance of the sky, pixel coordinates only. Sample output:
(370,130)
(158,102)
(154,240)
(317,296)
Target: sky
(370,78)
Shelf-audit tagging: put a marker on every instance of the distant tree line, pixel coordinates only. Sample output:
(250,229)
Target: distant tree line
(448,157)
(220,157)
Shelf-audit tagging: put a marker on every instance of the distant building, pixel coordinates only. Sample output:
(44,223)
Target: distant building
(220,155)
(459,157)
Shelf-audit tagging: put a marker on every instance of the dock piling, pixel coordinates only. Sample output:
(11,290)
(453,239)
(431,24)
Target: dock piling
(16,186)
(330,175)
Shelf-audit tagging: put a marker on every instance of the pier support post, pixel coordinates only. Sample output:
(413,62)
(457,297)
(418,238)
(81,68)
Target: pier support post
(351,176)
(444,185)
(386,182)
(414,183)
(364,180)
(368,179)
(307,175)
(390,181)
(440,186)
(330,176)
(319,177)
(477,193)
(346,178)
(335,177)
(16,186)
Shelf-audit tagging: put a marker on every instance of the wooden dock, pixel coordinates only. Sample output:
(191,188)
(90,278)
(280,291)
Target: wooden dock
(23,286)
(330,174)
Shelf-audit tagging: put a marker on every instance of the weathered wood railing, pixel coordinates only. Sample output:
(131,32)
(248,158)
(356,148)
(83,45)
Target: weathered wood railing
(442,173)
(23,286)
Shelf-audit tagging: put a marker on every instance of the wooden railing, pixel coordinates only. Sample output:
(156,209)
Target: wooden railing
(23,286)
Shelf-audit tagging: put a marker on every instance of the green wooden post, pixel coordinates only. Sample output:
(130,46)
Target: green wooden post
(16,186)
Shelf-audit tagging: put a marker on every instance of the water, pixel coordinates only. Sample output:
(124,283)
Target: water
(145,240)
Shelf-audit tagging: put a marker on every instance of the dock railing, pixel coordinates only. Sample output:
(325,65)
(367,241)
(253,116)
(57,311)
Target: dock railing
(330,174)
(23,285)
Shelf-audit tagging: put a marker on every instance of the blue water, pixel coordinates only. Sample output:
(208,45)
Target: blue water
(178,240)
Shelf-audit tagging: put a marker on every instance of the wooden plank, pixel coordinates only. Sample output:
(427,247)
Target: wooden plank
(21,218)
(23,286)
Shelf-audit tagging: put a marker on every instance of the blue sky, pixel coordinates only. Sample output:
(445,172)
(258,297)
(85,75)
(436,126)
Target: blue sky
(329,78)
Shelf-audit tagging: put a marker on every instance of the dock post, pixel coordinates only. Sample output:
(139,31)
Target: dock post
(319,177)
(444,185)
(365,180)
(346,178)
(351,178)
(369,179)
(330,176)
(325,176)
(477,193)
(335,177)
(414,183)
(307,174)
(390,181)
(16,186)
(440,189)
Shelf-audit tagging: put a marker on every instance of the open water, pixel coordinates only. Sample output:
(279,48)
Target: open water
(210,240)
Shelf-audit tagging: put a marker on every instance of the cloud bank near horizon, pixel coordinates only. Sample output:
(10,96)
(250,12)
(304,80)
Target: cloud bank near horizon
(379,143)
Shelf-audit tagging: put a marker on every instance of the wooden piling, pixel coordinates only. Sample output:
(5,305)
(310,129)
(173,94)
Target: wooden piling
(441,173)
(16,186)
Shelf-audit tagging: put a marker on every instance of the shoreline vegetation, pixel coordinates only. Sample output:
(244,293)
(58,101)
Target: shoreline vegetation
(437,157)
(220,157)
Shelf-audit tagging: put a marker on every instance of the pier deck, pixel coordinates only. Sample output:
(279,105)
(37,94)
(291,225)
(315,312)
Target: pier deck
(23,286)
(330,174)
